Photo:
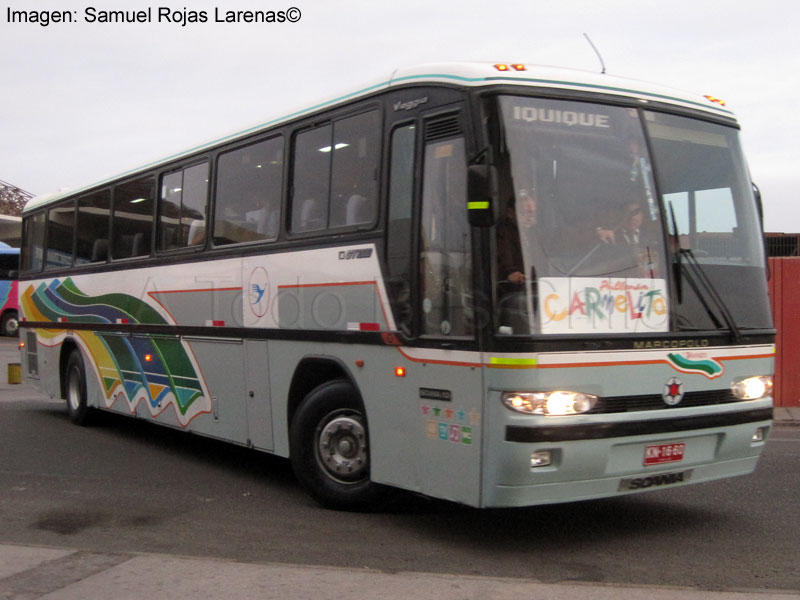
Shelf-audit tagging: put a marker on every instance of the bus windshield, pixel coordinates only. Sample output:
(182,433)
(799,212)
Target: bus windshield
(581,244)
(712,215)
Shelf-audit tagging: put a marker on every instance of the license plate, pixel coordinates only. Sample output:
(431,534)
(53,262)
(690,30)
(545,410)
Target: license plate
(663,453)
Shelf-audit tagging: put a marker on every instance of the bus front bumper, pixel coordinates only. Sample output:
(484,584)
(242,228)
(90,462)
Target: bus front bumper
(542,465)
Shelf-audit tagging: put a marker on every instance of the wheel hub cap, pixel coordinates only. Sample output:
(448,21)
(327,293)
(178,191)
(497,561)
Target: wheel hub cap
(343,447)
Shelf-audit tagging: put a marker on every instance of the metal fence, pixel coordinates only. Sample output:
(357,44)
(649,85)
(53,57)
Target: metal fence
(784,289)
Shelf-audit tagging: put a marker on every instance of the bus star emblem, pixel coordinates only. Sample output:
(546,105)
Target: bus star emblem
(673,391)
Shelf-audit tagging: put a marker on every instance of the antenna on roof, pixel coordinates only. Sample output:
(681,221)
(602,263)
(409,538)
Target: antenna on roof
(596,51)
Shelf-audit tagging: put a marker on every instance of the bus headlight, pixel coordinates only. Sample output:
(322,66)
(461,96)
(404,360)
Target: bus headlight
(752,388)
(558,403)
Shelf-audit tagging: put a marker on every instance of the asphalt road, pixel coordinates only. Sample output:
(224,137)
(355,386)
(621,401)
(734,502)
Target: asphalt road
(127,486)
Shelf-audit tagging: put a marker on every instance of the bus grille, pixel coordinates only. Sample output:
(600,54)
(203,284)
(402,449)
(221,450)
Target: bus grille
(620,404)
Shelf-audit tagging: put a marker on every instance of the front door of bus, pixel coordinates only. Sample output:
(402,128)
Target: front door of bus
(443,389)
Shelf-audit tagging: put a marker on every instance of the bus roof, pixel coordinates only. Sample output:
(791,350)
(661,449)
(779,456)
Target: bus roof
(470,74)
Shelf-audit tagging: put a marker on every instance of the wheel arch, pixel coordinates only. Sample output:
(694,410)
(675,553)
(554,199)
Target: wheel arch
(310,373)
(67,348)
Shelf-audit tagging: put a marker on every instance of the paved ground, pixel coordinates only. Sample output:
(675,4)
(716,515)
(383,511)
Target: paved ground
(68,574)
(63,574)
(787,416)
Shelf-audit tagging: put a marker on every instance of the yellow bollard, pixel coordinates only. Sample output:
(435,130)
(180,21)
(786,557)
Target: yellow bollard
(14,373)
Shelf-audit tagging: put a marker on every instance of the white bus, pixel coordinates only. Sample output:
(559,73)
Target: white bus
(501,285)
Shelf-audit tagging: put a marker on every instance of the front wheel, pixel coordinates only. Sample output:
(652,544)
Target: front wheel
(75,389)
(329,446)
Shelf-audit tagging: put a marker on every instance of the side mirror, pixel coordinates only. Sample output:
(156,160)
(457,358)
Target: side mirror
(481,195)
(759,203)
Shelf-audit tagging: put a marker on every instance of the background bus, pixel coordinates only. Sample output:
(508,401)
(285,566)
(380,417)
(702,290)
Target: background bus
(9,309)
(492,284)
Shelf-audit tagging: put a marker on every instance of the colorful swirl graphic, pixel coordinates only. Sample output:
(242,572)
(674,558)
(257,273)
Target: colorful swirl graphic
(156,369)
(708,367)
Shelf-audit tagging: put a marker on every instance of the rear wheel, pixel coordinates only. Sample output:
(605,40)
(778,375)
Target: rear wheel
(329,445)
(75,389)
(9,324)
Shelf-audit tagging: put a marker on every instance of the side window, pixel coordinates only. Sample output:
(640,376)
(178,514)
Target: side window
(182,208)
(33,252)
(399,235)
(92,228)
(446,247)
(132,220)
(354,180)
(312,174)
(248,199)
(60,235)
(335,169)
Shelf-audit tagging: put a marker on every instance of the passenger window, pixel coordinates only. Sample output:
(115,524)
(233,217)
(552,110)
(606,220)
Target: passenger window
(182,208)
(249,191)
(33,256)
(132,220)
(312,166)
(335,174)
(354,183)
(92,228)
(60,235)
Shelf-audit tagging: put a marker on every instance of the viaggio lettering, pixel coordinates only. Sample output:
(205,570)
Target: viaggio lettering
(569,118)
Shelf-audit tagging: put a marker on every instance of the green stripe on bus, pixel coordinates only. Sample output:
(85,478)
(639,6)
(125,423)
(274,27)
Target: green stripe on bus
(478,205)
(517,362)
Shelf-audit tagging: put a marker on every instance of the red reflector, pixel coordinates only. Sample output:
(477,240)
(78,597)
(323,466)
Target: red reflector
(400,371)
(148,357)
(501,67)
(62,319)
(518,67)
(369,326)
(215,323)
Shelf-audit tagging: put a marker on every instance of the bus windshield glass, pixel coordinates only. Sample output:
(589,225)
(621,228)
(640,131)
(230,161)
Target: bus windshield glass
(583,245)
(712,215)
(580,242)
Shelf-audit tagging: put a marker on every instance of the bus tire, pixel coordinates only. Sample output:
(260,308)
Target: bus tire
(75,389)
(9,325)
(329,448)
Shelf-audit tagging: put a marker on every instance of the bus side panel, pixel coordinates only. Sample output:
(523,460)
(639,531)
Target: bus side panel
(222,364)
(425,426)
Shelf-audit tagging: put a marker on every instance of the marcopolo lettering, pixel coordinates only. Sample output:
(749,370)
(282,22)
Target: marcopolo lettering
(570,118)
(665,344)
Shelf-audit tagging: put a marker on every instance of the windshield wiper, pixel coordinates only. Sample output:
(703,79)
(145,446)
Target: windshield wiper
(708,285)
(712,292)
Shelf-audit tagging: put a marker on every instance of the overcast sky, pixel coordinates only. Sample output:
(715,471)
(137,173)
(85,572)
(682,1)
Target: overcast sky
(81,101)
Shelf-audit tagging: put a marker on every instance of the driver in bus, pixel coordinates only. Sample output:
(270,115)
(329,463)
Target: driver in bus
(519,254)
